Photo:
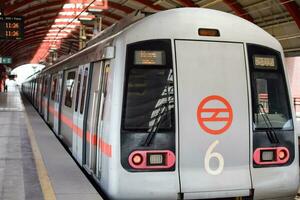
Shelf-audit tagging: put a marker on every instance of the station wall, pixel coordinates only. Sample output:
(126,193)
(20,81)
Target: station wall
(293,68)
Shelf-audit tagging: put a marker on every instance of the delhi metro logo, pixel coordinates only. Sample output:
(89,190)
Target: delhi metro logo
(214,115)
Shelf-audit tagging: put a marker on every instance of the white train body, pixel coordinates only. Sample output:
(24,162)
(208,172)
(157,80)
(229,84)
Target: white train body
(185,104)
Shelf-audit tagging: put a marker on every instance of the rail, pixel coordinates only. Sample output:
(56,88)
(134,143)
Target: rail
(297,106)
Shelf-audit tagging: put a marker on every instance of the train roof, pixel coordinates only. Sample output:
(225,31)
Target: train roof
(183,23)
(179,23)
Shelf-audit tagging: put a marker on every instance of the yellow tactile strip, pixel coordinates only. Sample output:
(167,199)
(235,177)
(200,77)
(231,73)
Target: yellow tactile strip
(45,183)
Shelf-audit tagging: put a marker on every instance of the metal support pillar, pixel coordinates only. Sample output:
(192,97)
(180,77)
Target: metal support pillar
(82,37)
(97,25)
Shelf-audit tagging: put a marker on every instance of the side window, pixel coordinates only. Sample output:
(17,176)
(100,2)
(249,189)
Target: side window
(44,87)
(84,85)
(104,85)
(53,88)
(69,89)
(59,84)
(78,91)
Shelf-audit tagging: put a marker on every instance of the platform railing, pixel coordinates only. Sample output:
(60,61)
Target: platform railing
(297,106)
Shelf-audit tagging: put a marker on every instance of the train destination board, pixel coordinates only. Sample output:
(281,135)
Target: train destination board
(265,62)
(11,28)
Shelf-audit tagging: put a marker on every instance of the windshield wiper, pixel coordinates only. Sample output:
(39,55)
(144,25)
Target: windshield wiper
(158,119)
(271,133)
(163,111)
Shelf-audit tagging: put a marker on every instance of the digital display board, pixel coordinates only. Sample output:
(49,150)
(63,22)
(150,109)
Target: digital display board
(11,28)
(149,57)
(5,60)
(265,62)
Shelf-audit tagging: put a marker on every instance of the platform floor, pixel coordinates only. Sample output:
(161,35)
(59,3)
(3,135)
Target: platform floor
(33,164)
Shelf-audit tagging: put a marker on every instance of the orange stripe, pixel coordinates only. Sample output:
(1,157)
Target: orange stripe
(66,121)
(92,141)
(103,146)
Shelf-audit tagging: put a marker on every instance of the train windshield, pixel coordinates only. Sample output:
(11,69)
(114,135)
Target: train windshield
(270,101)
(149,92)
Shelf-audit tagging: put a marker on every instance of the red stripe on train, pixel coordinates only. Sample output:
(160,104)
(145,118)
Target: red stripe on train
(92,139)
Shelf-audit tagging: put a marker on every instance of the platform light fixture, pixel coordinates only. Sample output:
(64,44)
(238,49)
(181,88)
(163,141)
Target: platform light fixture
(94,10)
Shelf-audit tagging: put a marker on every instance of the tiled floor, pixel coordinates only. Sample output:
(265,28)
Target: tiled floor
(18,175)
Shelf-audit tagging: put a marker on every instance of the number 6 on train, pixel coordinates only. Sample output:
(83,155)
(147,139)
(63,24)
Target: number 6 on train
(209,155)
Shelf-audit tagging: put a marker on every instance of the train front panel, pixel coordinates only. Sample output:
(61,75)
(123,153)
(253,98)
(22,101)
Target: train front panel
(274,164)
(211,119)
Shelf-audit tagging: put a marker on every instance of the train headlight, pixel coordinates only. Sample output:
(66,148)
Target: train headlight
(271,156)
(151,159)
(137,159)
(282,154)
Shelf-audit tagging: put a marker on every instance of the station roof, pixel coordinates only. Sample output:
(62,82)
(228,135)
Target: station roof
(55,23)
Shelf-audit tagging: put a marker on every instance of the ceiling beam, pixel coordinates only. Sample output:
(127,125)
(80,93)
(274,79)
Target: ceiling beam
(187,3)
(52,18)
(28,42)
(150,4)
(293,9)
(238,9)
(120,7)
(39,15)
(12,8)
(15,46)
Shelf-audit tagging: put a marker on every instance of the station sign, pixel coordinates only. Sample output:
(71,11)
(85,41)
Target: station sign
(11,28)
(5,60)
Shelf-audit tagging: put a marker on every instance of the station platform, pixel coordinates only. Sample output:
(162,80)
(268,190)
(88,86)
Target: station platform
(33,163)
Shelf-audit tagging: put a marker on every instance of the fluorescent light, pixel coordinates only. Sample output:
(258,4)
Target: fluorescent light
(94,10)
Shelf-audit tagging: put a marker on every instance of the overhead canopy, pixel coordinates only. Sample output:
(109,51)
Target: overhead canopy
(55,23)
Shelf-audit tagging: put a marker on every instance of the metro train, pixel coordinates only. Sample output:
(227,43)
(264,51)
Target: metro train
(187,103)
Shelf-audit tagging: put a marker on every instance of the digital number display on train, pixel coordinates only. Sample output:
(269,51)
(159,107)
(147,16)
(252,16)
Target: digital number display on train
(143,57)
(11,28)
(265,62)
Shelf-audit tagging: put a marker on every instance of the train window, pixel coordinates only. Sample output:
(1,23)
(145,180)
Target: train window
(270,100)
(53,88)
(149,91)
(69,89)
(44,86)
(77,91)
(84,85)
(104,85)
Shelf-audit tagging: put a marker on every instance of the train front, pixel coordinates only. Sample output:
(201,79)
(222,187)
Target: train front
(207,115)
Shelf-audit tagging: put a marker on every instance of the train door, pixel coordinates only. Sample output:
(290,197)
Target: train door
(213,119)
(93,153)
(57,101)
(52,113)
(79,111)
(34,92)
(37,93)
(40,95)
(67,126)
(43,79)
(47,96)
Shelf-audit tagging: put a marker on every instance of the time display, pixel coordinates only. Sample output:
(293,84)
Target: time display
(12,25)
(12,34)
(11,28)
